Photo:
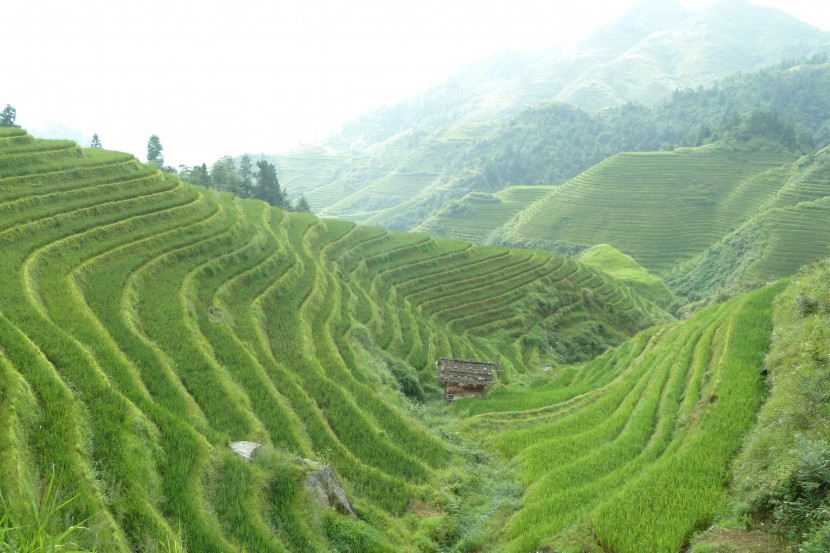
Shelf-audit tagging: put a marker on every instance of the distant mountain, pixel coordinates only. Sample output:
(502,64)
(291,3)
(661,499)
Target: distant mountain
(650,51)
(410,182)
(505,121)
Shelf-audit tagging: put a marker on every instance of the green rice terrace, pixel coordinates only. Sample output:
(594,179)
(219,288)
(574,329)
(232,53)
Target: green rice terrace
(146,324)
(478,214)
(675,204)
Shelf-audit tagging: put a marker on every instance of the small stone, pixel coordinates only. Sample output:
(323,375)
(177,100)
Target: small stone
(245,450)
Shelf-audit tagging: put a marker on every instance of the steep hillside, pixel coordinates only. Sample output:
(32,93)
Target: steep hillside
(630,452)
(660,208)
(477,214)
(145,324)
(793,231)
(624,268)
(782,478)
(665,44)
(405,180)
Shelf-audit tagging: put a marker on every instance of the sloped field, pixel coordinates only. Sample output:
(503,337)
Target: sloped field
(478,214)
(145,324)
(631,450)
(661,208)
(792,231)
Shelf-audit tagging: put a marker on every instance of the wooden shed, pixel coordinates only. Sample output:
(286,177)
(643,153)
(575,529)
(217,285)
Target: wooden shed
(465,378)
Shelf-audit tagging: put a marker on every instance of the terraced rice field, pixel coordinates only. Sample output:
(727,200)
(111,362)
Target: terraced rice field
(145,324)
(661,208)
(475,216)
(792,230)
(388,191)
(631,450)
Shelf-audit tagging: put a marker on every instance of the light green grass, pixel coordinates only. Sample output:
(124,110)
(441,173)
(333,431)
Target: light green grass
(631,450)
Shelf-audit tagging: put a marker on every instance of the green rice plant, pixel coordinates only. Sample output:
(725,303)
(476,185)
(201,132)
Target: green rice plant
(683,491)
(38,526)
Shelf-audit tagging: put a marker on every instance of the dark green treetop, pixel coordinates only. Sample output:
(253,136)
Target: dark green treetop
(7,116)
(302,204)
(154,149)
(268,187)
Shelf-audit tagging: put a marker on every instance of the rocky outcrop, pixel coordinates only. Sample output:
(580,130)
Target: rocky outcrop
(325,491)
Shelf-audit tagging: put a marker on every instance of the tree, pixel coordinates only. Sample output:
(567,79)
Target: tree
(223,175)
(302,204)
(154,149)
(201,175)
(246,177)
(7,116)
(268,187)
(96,142)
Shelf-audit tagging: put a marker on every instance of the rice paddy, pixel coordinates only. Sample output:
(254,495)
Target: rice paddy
(145,324)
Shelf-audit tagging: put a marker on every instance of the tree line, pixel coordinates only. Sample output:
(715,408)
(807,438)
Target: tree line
(242,180)
(245,179)
(550,143)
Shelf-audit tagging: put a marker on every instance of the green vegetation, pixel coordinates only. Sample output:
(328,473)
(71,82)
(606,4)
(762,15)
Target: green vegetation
(475,216)
(630,451)
(782,477)
(146,323)
(37,526)
(411,176)
(661,208)
(242,181)
(8,116)
(793,230)
(624,268)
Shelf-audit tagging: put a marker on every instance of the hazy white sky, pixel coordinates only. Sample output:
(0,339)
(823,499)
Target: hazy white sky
(262,75)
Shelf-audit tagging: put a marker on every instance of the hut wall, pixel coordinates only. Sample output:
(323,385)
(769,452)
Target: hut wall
(456,390)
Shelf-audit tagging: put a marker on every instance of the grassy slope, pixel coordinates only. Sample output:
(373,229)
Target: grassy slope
(145,324)
(624,268)
(780,489)
(660,208)
(629,452)
(478,214)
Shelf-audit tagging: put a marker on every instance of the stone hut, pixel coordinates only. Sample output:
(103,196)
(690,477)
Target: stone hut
(465,378)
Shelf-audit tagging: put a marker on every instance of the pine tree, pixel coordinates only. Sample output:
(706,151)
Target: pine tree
(302,204)
(246,177)
(268,187)
(154,149)
(7,116)
(96,142)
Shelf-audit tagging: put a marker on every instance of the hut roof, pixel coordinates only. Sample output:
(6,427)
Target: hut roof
(466,372)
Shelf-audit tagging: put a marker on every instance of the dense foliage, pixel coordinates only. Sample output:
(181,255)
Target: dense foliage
(402,182)
(550,144)
(783,475)
(243,181)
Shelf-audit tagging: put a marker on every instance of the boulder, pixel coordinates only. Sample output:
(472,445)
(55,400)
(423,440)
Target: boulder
(325,491)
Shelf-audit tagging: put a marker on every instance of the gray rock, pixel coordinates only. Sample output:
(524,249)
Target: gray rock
(245,450)
(325,491)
